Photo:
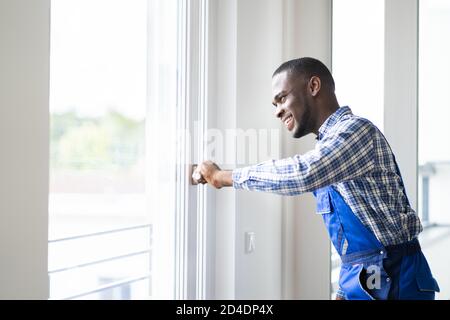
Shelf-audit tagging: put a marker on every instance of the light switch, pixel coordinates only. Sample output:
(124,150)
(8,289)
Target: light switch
(249,242)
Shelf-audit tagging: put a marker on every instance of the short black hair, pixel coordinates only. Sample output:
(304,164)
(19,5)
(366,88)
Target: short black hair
(307,67)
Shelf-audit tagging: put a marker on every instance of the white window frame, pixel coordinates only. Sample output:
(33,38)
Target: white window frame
(24,124)
(401,88)
(195,241)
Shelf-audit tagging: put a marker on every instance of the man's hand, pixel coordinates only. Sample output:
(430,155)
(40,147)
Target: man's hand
(211,173)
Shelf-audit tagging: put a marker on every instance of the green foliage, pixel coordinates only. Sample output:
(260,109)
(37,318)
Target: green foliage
(106,143)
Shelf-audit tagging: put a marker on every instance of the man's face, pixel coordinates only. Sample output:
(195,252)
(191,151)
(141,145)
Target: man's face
(291,102)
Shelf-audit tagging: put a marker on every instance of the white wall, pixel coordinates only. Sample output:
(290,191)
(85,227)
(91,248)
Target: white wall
(24,87)
(223,74)
(291,257)
(306,267)
(246,55)
(258,274)
(400,88)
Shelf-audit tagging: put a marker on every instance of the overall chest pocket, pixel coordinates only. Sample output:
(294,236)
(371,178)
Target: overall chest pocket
(323,199)
(324,207)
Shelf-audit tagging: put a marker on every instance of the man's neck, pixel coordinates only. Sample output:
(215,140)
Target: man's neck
(326,111)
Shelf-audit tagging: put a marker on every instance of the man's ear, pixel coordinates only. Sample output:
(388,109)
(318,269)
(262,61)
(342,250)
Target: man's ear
(314,85)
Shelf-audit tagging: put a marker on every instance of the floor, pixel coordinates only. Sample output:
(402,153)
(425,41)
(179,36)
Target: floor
(436,247)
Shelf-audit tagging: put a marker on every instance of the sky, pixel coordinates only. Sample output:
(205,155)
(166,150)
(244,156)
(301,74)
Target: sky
(99,56)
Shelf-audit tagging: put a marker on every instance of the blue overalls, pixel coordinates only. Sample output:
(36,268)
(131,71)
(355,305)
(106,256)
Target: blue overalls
(369,270)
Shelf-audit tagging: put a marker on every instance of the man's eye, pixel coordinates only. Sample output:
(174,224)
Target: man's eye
(283,99)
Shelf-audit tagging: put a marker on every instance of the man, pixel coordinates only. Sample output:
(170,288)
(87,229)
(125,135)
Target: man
(354,176)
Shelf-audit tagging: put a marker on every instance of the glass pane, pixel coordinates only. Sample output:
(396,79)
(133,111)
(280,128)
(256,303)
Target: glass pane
(99,164)
(358,57)
(434,153)
(358,69)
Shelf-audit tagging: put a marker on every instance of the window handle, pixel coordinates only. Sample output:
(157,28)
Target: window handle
(195,176)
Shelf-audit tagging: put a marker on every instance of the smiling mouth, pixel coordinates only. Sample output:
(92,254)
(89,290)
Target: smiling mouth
(288,121)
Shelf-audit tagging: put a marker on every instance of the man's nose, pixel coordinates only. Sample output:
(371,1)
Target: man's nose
(279,111)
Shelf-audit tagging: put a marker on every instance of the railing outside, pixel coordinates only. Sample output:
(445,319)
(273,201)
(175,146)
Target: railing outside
(113,284)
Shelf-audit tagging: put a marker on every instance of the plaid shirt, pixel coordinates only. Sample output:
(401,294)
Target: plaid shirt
(353,156)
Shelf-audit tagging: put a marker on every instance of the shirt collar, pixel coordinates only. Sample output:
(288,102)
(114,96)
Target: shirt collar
(332,120)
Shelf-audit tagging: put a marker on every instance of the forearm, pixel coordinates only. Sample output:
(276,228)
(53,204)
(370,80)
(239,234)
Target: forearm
(209,172)
(273,176)
(223,178)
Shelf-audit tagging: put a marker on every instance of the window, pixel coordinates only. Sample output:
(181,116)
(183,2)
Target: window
(113,182)
(358,68)
(434,154)
(358,57)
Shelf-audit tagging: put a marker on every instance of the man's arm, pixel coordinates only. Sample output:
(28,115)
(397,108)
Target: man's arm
(342,156)
(212,174)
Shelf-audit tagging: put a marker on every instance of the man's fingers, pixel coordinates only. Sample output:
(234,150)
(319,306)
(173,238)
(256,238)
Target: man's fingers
(198,177)
(201,181)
